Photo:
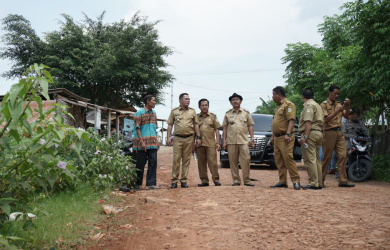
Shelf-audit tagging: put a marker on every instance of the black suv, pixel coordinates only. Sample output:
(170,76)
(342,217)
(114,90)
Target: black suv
(263,153)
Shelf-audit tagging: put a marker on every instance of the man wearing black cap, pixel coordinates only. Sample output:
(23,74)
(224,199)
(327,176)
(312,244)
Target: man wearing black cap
(350,128)
(236,125)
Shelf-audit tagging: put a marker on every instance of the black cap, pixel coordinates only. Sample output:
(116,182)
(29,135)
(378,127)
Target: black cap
(351,111)
(235,95)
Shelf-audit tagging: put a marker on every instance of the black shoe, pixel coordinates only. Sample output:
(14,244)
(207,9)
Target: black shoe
(249,184)
(174,185)
(297,186)
(347,185)
(236,184)
(124,189)
(278,185)
(184,185)
(311,187)
(203,184)
(217,183)
(137,187)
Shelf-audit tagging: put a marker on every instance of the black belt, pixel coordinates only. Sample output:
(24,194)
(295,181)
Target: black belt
(184,136)
(333,129)
(277,135)
(320,130)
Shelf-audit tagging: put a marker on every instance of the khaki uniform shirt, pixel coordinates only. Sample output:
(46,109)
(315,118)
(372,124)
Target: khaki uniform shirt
(349,128)
(284,112)
(184,120)
(237,126)
(329,107)
(311,112)
(207,126)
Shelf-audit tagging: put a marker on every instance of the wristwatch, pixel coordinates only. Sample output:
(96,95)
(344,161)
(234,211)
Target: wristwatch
(198,137)
(304,137)
(288,134)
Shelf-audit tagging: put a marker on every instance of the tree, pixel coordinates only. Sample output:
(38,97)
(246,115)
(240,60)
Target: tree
(108,63)
(267,107)
(355,55)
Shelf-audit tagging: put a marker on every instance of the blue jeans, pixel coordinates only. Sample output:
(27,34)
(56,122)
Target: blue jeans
(333,162)
(151,156)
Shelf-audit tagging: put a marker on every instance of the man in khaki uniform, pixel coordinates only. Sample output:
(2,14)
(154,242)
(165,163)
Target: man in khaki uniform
(333,136)
(236,125)
(186,123)
(310,129)
(283,139)
(207,152)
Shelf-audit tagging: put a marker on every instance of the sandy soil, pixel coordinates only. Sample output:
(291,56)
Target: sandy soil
(259,217)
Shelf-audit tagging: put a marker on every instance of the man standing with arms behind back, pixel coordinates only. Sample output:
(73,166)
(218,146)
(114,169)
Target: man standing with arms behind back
(333,136)
(310,129)
(283,139)
(186,124)
(236,125)
(207,152)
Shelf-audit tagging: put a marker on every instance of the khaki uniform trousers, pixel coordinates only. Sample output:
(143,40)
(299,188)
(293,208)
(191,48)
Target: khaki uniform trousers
(334,140)
(182,150)
(207,156)
(239,153)
(311,158)
(284,159)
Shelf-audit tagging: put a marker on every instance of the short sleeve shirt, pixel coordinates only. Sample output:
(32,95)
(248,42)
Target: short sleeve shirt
(311,112)
(207,126)
(237,124)
(184,121)
(350,128)
(146,121)
(284,112)
(329,107)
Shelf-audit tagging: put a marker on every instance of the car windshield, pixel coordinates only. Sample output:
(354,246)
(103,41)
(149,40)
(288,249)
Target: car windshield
(263,123)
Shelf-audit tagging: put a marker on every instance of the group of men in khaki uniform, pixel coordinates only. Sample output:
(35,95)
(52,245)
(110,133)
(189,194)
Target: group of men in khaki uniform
(204,128)
(319,125)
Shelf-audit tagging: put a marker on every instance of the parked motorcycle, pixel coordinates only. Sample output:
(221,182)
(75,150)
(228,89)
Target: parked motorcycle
(359,163)
(126,145)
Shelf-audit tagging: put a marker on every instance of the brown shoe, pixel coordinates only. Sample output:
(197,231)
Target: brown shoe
(332,171)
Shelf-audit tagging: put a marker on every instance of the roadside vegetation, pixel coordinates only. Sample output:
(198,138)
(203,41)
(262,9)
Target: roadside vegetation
(354,55)
(43,161)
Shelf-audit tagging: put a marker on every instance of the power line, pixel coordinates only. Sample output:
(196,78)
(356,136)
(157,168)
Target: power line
(220,90)
(229,72)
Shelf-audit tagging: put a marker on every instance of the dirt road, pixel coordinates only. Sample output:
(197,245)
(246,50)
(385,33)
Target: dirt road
(259,217)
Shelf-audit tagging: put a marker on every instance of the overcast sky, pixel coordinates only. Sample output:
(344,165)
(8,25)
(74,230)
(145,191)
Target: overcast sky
(221,46)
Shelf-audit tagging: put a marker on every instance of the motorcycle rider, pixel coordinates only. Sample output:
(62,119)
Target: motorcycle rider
(350,128)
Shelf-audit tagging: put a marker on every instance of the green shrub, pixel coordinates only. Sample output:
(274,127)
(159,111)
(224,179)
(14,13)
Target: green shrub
(381,168)
(45,156)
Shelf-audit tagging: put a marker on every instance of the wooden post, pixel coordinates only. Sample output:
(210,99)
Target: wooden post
(162,133)
(95,118)
(109,124)
(117,124)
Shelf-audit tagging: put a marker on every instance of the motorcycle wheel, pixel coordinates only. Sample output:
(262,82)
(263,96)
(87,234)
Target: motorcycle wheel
(360,173)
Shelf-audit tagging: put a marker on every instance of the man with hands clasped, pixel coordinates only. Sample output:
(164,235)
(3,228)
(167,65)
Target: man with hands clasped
(207,151)
(236,125)
(333,135)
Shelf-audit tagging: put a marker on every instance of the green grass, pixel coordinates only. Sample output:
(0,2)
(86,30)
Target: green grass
(381,168)
(80,208)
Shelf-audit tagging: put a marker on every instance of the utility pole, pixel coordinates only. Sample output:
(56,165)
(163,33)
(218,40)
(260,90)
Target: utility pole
(171,95)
